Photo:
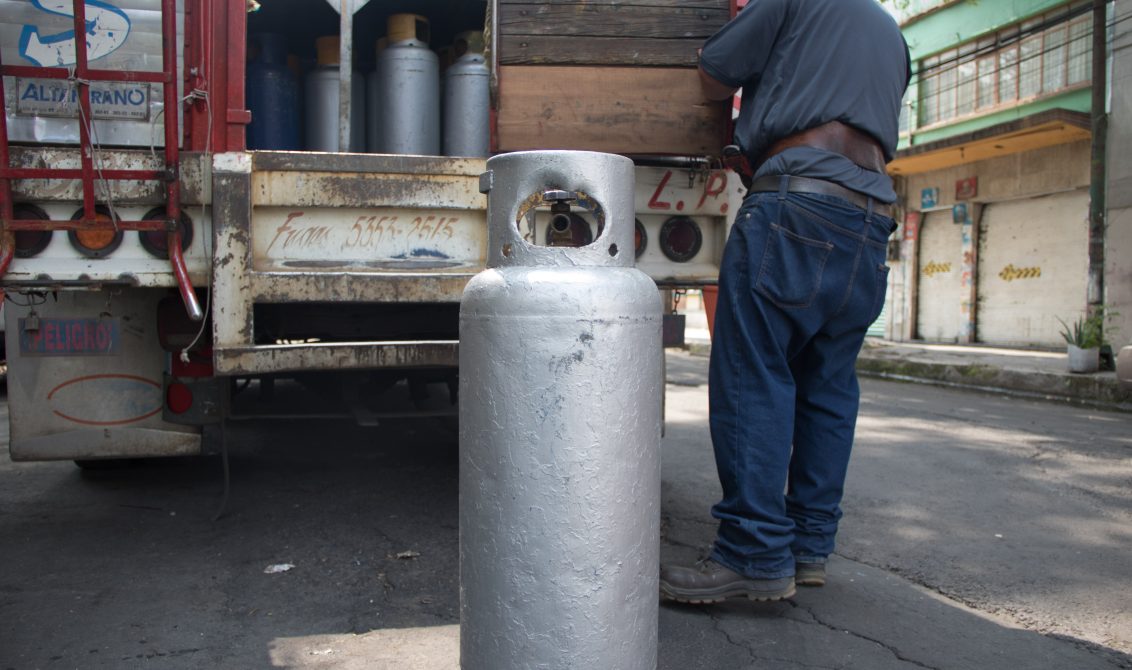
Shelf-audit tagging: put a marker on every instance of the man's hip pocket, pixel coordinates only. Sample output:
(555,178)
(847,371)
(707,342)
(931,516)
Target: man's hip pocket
(790,274)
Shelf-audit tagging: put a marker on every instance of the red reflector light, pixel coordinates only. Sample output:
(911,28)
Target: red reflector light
(640,238)
(95,242)
(29,243)
(156,242)
(680,239)
(178,398)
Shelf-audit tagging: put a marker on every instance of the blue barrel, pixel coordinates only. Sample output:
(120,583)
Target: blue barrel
(272,95)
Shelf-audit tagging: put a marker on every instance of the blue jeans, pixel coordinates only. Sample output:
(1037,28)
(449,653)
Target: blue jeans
(802,278)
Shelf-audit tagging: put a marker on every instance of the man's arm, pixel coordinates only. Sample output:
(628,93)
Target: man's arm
(714,89)
(738,53)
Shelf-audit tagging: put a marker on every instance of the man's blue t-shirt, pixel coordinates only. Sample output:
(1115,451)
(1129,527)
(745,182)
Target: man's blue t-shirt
(803,63)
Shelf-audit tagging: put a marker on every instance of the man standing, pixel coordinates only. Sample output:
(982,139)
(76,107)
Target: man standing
(803,276)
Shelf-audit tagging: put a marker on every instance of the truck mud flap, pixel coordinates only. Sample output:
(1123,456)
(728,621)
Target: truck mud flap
(85,373)
(95,444)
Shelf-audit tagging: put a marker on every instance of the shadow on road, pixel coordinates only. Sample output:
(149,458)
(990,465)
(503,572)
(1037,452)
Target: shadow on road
(118,568)
(104,569)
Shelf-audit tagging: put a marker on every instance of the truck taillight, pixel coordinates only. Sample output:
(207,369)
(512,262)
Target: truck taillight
(30,243)
(680,239)
(640,238)
(95,243)
(156,242)
(178,398)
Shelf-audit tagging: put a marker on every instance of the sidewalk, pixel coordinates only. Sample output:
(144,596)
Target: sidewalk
(1024,373)
(1033,374)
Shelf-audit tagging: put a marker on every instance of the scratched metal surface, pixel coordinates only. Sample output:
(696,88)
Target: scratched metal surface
(708,197)
(337,356)
(367,214)
(195,186)
(355,229)
(560,387)
(120,36)
(319,216)
(60,265)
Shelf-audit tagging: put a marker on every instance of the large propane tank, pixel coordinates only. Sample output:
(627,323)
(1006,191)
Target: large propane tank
(322,109)
(409,81)
(467,99)
(373,101)
(272,95)
(560,400)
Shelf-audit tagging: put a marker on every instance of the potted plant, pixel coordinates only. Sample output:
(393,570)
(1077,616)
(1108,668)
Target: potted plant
(1084,338)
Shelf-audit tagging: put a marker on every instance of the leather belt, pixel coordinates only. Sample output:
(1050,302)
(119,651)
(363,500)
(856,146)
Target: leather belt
(856,145)
(771,183)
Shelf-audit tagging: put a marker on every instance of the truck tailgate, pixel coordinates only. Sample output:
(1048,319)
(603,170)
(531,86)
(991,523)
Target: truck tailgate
(316,228)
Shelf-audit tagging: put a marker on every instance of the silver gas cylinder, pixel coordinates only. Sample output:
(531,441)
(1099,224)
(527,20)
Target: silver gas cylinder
(560,397)
(373,102)
(408,79)
(467,99)
(323,92)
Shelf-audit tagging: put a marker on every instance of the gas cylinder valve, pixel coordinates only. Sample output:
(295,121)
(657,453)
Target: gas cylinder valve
(559,198)
(559,233)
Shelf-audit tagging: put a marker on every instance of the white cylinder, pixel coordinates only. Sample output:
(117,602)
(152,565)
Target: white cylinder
(467,100)
(560,395)
(322,94)
(408,76)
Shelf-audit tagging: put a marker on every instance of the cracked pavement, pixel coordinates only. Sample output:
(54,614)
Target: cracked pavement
(119,569)
(979,532)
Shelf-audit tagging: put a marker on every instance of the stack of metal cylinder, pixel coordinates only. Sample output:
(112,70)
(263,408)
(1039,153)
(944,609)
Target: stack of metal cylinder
(408,81)
(272,95)
(322,102)
(467,99)
(397,106)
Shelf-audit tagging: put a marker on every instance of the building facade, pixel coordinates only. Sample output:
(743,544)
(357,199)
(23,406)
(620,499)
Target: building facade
(994,173)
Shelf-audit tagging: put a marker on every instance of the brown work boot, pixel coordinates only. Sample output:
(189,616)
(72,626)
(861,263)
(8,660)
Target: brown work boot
(809,574)
(710,582)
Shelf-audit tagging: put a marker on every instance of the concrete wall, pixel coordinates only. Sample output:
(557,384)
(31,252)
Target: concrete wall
(1118,237)
(1064,167)
(1060,169)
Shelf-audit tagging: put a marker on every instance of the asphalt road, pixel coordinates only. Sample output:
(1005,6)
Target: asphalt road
(980,532)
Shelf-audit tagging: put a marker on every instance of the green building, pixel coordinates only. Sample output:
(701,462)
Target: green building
(994,175)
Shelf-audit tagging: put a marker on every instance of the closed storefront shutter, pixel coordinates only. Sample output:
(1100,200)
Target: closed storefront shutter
(879,326)
(938,312)
(1033,265)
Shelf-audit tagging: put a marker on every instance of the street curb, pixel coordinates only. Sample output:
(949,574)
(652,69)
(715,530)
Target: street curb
(1100,390)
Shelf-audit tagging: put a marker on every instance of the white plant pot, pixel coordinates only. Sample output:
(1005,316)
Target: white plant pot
(1084,360)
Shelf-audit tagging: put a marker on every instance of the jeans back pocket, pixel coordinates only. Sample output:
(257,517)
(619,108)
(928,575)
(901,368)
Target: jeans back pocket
(791,271)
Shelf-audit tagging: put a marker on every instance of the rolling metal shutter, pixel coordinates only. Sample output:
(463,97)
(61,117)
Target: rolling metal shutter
(1033,268)
(938,313)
